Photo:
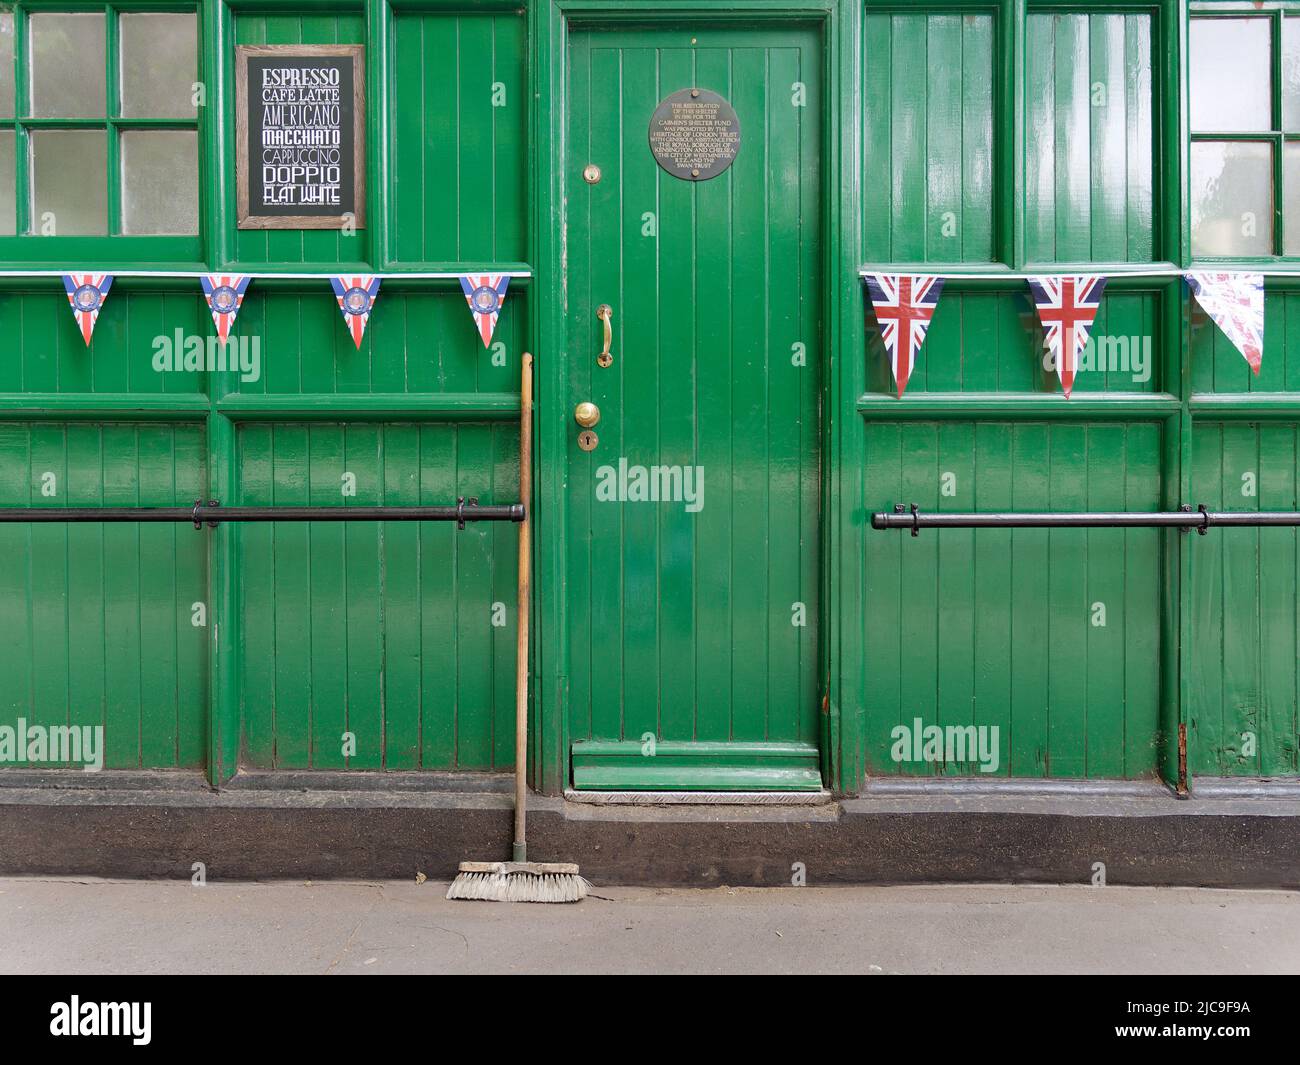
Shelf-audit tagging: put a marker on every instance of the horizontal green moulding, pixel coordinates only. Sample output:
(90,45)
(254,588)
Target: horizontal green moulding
(633,765)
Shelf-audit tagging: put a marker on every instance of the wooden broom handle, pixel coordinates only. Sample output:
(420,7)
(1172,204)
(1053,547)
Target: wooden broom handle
(522,607)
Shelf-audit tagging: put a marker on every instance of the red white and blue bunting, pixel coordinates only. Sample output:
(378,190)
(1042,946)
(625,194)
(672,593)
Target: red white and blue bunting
(356,296)
(1067,308)
(225,295)
(86,294)
(904,305)
(485,293)
(1236,303)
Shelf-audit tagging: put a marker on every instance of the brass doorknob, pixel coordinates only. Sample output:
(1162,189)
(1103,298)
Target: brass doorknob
(586,414)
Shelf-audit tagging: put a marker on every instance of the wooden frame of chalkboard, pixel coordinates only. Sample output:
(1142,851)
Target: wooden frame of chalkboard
(262,219)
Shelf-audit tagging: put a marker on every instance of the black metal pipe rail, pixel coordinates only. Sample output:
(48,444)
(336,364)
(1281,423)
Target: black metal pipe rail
(1202,520)
(212,512)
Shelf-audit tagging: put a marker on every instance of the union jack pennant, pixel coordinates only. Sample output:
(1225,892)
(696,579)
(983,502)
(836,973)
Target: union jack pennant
(1236,303)
(225,295)
(86,293)
(904,305)
(485,293)
(356,296)
(1067,307)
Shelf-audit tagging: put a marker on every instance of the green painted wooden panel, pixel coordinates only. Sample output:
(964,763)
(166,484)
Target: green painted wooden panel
(287,246)
(1217,365)
(97,619)
(983,341)
(459,137)
(1089,168)
(1245,677)
(46,353)
(680,621)
(416,341)
(994,627)
(623,765)
(927,165)
(384,630)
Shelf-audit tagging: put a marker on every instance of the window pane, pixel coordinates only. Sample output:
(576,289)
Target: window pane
(67,57)
(8,184)
(1291,74)
(159,65)
(1232,198)
(1231,75)
(1291,198)
(7,74)
(69,182)
(160,181)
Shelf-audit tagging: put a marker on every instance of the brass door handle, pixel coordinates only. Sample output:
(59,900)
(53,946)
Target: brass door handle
(586,414)
(606,314)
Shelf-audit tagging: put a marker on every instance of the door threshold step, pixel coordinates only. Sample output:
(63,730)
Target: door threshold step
(700,798)
(670,766)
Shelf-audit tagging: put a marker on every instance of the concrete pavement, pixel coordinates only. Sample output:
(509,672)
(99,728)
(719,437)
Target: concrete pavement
(67,926)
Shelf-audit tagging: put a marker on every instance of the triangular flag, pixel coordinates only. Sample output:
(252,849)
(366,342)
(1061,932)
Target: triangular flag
(1067,307)
(1236,303)
(904,305)
(485,293)
(225,295)
(356,296)
(86,293)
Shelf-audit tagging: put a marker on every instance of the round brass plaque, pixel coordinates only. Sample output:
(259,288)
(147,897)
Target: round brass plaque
(694,134)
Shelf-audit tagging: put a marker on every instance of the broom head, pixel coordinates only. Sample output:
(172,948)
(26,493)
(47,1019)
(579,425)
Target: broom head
(518,882)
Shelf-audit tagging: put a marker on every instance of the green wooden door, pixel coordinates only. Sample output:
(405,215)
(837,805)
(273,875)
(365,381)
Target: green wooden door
(692,575)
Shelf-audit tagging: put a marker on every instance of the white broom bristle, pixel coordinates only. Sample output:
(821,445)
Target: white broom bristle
(502,884)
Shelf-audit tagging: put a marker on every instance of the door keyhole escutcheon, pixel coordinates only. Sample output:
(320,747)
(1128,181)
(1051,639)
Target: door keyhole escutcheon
(606,314)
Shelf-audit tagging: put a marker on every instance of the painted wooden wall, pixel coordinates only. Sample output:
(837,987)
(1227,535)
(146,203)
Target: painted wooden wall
(937,159)
(1089,172)
(401,634)
(928,143)
(1246,604)
(98,620)
(382,630)
(459,137)
(1051,636)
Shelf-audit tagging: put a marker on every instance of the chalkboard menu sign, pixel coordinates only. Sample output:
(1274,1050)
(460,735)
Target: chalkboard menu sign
(300,116)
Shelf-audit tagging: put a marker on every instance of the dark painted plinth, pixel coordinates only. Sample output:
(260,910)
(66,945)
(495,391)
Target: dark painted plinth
(372,826)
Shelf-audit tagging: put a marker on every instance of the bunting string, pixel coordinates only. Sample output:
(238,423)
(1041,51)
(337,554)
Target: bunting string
(224,293)
(1067,306)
